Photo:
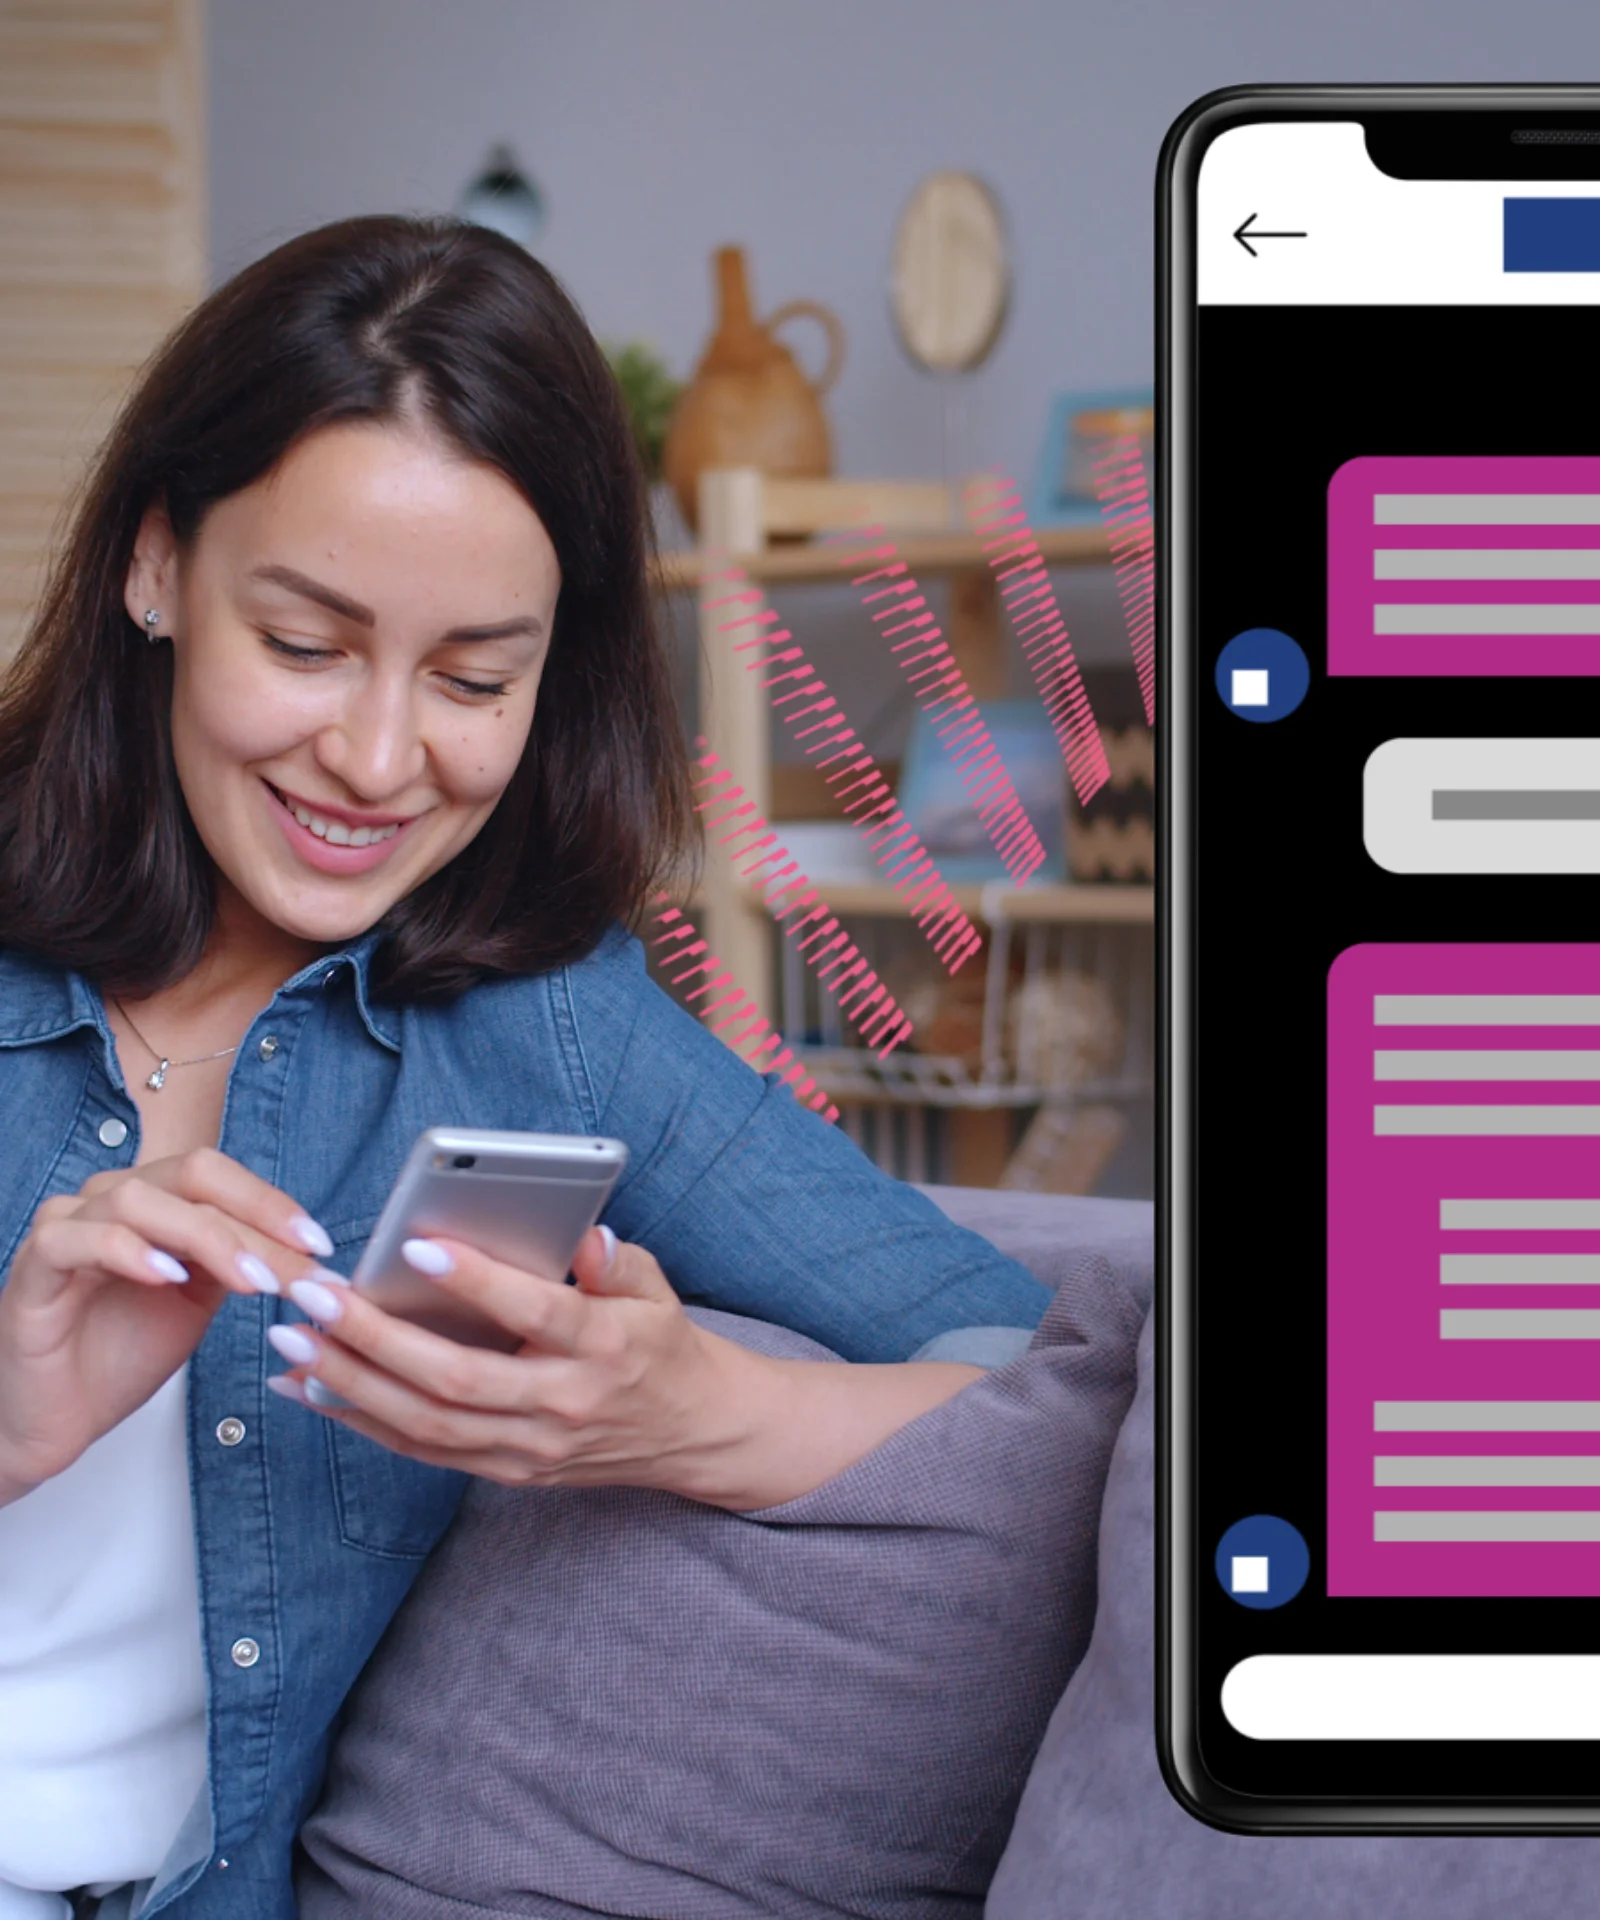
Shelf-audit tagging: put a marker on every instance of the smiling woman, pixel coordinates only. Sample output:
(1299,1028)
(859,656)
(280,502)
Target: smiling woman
(350,725)
(335,772)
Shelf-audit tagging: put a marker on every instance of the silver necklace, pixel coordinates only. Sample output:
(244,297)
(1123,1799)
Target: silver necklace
(158,1079)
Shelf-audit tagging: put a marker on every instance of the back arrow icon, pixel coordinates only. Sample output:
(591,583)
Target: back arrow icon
(1246,231)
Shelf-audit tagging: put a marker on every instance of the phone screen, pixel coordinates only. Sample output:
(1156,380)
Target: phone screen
(1382,1223)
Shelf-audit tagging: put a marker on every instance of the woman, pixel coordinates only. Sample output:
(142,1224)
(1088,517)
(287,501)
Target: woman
(340,757)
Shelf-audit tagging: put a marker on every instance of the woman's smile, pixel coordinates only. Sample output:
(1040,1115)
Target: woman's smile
(326,838)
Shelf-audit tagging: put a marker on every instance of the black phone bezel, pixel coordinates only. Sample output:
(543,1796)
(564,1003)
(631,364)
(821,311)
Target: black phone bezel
(1427,132)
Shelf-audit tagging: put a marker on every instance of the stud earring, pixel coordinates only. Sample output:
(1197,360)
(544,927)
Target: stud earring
(152,620)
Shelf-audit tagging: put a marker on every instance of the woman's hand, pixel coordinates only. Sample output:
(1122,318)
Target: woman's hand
(613,1385)
(113,1288)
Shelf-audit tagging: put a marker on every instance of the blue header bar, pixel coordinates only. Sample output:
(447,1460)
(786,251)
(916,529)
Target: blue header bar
(1552,236)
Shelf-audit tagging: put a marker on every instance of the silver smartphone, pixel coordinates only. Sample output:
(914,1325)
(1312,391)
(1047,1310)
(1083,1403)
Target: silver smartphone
(524,1198)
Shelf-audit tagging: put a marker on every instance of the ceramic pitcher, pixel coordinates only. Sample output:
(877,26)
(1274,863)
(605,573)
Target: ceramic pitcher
(749,404)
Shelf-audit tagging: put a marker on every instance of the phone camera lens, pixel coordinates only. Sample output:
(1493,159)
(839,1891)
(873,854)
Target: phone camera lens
(465,1160)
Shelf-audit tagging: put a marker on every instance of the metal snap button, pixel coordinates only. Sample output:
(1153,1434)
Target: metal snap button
(245,1653)
(268,1047)
(113,1132)
(230,1431)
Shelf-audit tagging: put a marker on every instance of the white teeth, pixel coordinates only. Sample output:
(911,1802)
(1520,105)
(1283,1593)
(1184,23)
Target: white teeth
(335,832)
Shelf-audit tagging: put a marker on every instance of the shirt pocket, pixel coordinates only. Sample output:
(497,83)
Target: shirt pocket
(385,1503)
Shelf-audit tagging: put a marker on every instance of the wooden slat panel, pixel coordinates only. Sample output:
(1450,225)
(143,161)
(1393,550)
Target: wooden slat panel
(101,218)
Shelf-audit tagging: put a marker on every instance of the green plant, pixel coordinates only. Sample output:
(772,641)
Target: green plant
(651,393)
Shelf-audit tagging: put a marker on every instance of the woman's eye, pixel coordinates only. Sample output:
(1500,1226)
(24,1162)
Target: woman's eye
(294,652)
(489,689)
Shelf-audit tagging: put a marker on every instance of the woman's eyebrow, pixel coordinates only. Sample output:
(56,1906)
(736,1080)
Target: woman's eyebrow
(308,589)
(501,630)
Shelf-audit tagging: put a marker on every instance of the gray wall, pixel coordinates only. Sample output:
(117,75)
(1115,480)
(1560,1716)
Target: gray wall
(661,128)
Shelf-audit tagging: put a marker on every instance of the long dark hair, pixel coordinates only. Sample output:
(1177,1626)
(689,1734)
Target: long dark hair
(101,868)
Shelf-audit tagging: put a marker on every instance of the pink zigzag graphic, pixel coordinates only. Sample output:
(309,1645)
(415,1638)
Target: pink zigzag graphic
(868,1004)
(994,508)
(1119,480)
(815,719)
(942,690)
(682,943)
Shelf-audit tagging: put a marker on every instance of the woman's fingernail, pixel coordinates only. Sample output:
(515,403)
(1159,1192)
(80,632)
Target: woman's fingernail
(312,1237)
(298,1348)
(258,1273)
(611,1246)
(166,1266)
(288,1386)
(427,1256)
(314,1300)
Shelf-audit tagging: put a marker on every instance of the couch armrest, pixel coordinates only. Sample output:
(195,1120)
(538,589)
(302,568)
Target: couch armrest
(1047,1230)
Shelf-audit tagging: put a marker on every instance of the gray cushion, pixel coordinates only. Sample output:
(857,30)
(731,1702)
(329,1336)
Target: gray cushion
(1099,1837)
(612,1701)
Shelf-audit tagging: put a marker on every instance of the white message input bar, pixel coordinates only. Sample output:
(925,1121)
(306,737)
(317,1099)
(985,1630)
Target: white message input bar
(1483,806)
(1410,1696)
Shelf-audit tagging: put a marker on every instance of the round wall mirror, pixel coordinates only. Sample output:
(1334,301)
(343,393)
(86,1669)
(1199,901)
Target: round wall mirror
(950,274)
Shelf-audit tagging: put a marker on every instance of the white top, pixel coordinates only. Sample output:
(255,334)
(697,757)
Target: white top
(102,1675)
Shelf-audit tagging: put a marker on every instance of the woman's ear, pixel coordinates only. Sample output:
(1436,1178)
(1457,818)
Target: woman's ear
(152,583)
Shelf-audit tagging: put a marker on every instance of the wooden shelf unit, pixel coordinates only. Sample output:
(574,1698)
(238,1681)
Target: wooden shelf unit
(751,519)
(739,512)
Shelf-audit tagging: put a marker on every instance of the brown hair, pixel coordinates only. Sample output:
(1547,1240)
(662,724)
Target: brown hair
(101,868)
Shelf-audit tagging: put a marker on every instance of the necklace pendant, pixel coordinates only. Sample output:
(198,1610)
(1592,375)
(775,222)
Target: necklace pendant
(158,1079)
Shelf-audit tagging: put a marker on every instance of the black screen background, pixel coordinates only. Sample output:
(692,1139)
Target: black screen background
(1282,884)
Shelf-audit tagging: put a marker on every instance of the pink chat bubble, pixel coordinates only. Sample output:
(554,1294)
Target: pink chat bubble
(1464,1270)
(1452,566)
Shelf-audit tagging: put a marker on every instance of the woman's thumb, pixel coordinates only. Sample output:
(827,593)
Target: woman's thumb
(605,1264)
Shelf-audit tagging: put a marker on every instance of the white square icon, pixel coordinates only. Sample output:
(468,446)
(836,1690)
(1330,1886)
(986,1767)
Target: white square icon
(1250,687)
(1249,1573)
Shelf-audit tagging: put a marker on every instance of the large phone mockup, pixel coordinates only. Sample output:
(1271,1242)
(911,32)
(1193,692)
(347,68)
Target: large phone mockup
(1379,715)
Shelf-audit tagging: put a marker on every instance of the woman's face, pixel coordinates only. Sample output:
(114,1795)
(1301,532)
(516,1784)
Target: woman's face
(357,644)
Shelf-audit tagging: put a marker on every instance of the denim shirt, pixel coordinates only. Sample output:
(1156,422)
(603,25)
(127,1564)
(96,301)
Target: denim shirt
(308,1535)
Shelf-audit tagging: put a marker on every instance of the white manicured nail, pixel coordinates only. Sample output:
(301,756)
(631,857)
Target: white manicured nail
(611,1246)
(258,1273)
(166,1266)
(289,1387)
(312,1237)
(315,1301)
(323,1397)
(298,1348)
(427,1256)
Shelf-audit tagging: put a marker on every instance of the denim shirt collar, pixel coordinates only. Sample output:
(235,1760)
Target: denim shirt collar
(40,1001)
